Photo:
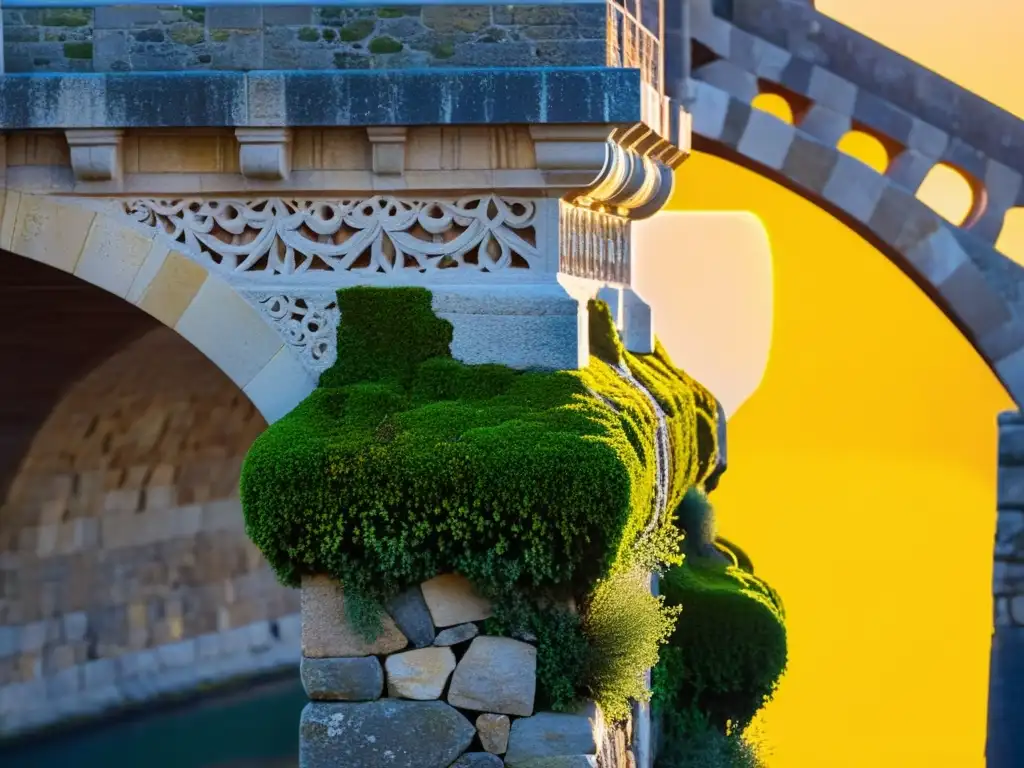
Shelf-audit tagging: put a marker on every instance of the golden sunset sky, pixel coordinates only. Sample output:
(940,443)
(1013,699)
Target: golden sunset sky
(862,469)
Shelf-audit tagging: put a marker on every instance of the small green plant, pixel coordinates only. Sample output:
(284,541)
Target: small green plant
(78,50)
(309,34)
(626,626)
(690,741)
(356,30)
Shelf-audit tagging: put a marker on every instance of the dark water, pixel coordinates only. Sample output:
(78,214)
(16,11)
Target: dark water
(253,727)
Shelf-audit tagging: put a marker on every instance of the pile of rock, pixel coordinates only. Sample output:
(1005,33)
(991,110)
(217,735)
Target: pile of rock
(431,691)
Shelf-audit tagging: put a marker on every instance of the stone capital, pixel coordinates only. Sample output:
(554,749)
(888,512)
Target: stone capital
(388,144)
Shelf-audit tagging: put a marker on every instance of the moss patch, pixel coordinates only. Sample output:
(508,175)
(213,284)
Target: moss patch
(405,463)
(309,34)
(78,50)
(67,17)
(187,34)
(384,44)
(356,30)
(220,35)
(443,50)
(729,647)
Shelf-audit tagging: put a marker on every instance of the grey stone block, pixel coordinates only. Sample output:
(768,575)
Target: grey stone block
(456,635)
(478,760)
(551,734)
(234,17)
(389,733)
(358,679)
(562,761)
(412,617)
(287,15)
(126,17)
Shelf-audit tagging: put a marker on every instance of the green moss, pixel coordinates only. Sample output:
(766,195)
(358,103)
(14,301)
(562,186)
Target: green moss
(66,17)
(356,30)
(396,13)
(220,35)
(78,50)
(187,34)
(309,34)
(329,34)
(740,558)
(194,14)
(384,44)
(730,643)
(604,339)
(443,50)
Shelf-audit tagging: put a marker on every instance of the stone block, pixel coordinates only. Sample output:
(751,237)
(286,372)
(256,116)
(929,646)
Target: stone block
(854,187)
(412,616)
(551,735)
(451,599)
(561,761)
(172,289)
(1010,534)
(497,674)
(390,733)
(455,635)
(493,731)
(419,674)
(327,633)
(352,679)
(478,760)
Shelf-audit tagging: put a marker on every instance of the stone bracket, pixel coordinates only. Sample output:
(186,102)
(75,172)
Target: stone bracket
(388,144)
(96,153)
(264,153)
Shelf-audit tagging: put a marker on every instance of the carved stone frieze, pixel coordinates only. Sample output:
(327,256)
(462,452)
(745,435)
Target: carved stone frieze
(318,239)
(594,245)
(307,321)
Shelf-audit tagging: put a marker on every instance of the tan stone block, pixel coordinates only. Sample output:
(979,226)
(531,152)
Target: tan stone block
(423,149)
(175,285)
(472,147)
(345,149)
(112,256)
(123,500)
(306,149)
(327,633)
(49,232)
(192,152)
(12,201)
(452,600)
(46,543)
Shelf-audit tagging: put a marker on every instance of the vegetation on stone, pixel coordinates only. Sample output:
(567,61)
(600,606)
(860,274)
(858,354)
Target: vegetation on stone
(78,50)
(384,44)
(356,30)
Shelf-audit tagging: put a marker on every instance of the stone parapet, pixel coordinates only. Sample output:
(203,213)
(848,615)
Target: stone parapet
(433,690)
(1008,572)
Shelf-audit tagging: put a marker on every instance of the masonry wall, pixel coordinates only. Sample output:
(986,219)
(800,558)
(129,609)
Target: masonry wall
(125,572)
(171,38)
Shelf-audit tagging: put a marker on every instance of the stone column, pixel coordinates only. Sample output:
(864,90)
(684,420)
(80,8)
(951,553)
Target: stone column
(1005,747)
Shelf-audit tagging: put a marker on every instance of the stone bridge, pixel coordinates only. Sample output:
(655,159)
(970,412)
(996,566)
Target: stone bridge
(218,172)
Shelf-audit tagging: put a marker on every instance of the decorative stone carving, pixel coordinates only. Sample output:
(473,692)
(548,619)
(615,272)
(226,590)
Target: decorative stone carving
(317,239)
(307,322)
(594,245)
(264,153)
(95,153)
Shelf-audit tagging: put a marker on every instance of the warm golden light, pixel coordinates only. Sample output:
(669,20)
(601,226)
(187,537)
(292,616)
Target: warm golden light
(774,104)
(1011,238)
(862,494)
(865,148)
(948,193)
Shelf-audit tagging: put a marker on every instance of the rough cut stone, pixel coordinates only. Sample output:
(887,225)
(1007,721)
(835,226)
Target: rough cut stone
(456,635)
(478,760)
(497,674)
(419,674)
(412,617)
(354,679)
(327,633)
(452,600)
(493,730)
(551,734)
(562,761)
(389,733)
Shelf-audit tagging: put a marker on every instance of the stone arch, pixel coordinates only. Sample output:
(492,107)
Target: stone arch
(89,239)
(980,290)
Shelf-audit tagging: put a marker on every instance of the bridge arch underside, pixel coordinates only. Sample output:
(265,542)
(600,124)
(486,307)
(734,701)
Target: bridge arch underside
(125,572)
(978,289)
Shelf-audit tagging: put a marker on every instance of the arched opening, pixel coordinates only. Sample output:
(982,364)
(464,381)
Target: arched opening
(866,148)
(121,534)
(847,408)
(1011,237)
(948,192)
(774,104)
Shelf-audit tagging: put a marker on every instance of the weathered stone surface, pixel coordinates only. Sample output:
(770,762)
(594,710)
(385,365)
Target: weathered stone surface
(497,674)
(478,760)
(419,674)
(327,633)
(551,734)
(493,730)
(412,617)
(390,733)
(456,635)
(561,761)
(452,600)
(355,679)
